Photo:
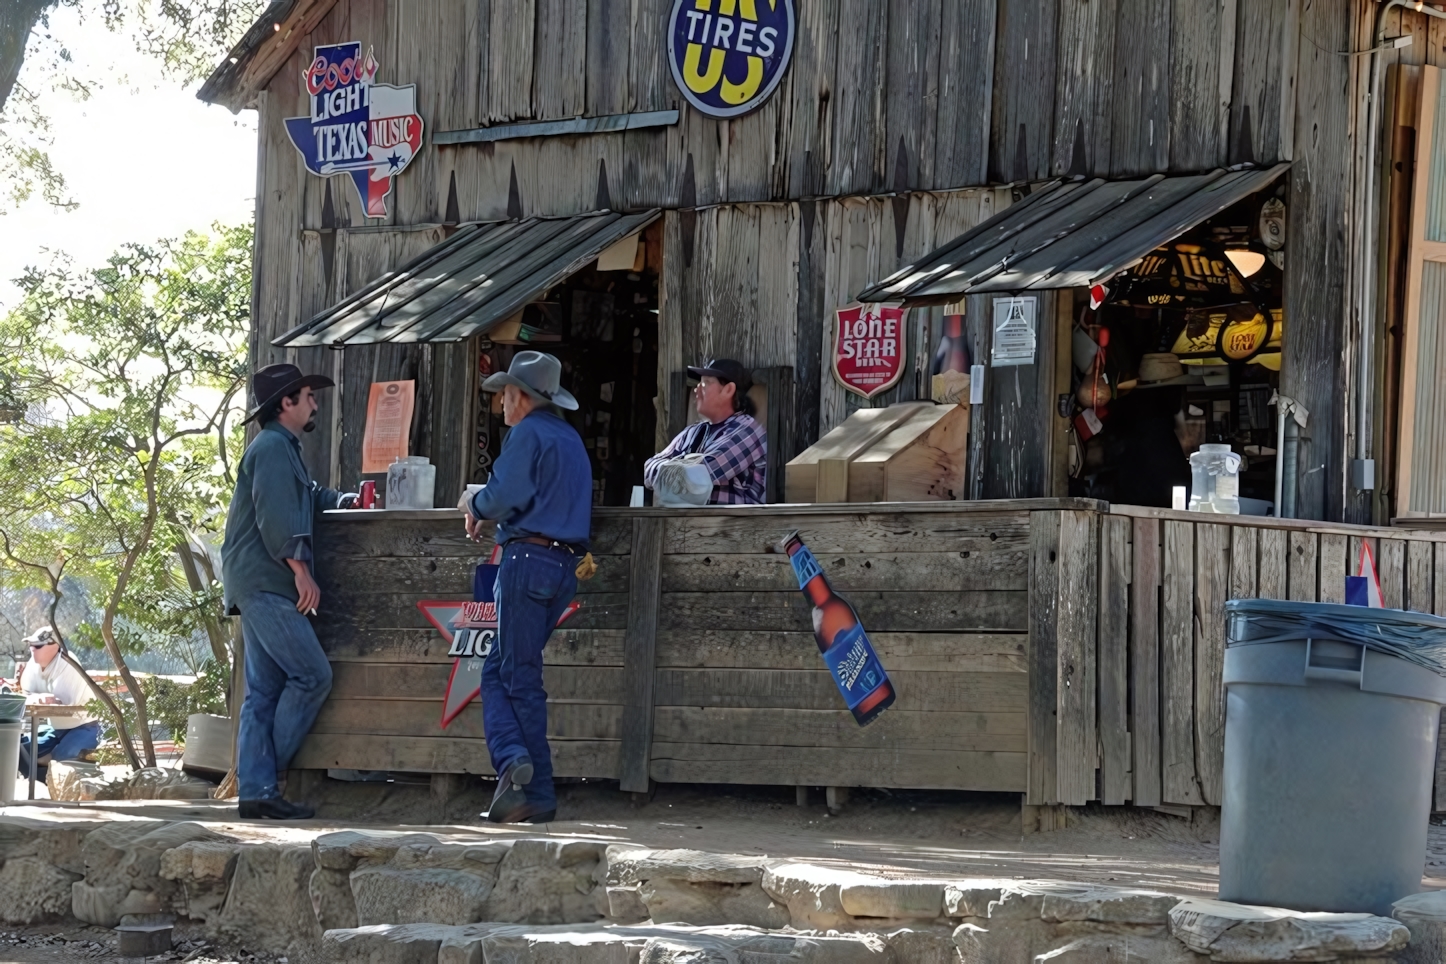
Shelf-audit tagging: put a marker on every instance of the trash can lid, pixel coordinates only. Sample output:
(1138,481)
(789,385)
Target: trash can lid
(1417,637)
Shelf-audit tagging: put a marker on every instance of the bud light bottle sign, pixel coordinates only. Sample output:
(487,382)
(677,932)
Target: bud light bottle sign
(845,646)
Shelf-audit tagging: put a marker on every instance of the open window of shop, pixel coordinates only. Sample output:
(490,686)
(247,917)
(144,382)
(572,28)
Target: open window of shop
(1115,327)
(582,288)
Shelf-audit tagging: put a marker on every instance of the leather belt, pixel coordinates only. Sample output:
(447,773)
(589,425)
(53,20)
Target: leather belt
(546,543)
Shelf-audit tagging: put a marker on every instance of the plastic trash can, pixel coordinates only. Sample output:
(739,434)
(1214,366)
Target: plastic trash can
(10,731)
(1331,719)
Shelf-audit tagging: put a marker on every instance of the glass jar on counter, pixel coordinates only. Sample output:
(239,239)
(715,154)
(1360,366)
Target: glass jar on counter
(1215,480)
(411,483)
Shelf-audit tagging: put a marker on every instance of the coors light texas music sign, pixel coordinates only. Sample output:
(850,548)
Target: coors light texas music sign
(868,348)
(727,56)
(357,126)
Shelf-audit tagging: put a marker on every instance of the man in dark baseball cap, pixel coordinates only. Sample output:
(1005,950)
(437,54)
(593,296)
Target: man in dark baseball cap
(266,572)
(733,444)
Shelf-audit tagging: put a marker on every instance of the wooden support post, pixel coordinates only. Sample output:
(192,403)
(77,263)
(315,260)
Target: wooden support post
(303,786)
(445,788)
(1040,726)
(800,795)
(1145,661)
(1076,641)
(1212,588)
(1114,659)
(836,798)
(1177,666)
(638,654)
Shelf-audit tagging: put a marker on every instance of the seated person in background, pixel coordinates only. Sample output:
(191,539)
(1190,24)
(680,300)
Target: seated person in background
(49,679)
(733,445)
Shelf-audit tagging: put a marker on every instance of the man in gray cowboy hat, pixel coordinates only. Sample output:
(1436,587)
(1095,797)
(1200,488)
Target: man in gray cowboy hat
(540,495)
(266,571)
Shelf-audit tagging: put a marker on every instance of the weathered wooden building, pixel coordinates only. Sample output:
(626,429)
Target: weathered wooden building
(895,127)
(552,179)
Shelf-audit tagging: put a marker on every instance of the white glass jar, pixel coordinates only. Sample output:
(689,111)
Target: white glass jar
(411,482)
(1215,480)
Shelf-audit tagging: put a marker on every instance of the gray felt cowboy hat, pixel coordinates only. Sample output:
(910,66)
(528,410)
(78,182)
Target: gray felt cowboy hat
(275,382)
(536,373)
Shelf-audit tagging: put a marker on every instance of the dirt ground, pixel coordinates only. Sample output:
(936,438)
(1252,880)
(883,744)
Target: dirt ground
(82,944)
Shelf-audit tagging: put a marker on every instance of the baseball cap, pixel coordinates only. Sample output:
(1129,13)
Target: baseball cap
(725,370)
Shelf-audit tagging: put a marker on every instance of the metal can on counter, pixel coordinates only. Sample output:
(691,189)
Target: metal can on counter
(367,498)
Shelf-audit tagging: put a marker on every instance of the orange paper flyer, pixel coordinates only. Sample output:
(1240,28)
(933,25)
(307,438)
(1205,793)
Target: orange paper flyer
(389,425)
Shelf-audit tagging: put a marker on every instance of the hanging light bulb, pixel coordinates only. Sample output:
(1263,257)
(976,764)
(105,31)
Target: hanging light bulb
(1247,262)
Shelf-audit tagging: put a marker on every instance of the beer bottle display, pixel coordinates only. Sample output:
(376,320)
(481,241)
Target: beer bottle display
(841,638)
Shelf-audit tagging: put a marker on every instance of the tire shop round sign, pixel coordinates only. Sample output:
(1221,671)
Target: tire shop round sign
(868,348)
(728,56)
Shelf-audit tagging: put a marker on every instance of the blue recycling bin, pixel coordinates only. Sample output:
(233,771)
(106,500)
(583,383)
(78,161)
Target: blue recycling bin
(1331,720)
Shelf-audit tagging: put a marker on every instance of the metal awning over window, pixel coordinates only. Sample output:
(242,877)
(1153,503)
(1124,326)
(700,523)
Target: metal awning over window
(1069,234)
(478,277)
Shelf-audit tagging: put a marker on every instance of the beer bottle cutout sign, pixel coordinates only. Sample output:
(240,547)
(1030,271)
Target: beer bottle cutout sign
(841,638)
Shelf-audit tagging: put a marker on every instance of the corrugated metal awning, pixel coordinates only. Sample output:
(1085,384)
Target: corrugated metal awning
(475,279)
(1069,234)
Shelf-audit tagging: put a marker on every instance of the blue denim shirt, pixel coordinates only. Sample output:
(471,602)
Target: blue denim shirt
(541,484)
(271,517)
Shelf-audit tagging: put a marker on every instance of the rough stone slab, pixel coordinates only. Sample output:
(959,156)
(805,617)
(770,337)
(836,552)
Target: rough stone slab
(893,899)
(75,780)
(268,905)
(1107,905)
(547,882)
(706,903)
(1121,949)
(32,890)
(1001,941)
(811,893)
(332,902)
(1425,916)
(1238,933)
(384,944)
(971,898)
(388,895)
(200,860)
(914,946)
(345,849)
(738,945)
(625,905)
(626,865)
(123,869)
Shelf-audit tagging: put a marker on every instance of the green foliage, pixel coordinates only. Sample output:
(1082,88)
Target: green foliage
(123,392)
(169,702)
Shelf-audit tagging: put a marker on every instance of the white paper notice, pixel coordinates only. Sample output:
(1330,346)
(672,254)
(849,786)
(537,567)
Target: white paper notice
(1014,328)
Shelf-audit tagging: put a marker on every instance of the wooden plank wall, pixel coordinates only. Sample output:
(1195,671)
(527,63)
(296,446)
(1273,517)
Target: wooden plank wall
(693,648)
(1164,578)
(886,106)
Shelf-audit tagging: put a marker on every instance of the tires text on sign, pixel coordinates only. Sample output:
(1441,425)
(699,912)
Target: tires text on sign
(868,348)
(727,56)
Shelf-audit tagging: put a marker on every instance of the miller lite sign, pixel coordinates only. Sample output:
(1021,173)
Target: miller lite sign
(868,348)
(357,126)
(470,629)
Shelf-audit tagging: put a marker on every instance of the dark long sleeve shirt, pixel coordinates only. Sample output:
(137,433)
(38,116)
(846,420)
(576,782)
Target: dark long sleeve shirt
(272,514)
(541,483)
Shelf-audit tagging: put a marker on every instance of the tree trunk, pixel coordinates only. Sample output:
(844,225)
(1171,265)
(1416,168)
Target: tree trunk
(214,632)
(104,697)
(17,19)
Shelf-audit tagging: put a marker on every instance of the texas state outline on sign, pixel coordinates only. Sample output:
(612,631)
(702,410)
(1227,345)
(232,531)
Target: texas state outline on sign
(357,126)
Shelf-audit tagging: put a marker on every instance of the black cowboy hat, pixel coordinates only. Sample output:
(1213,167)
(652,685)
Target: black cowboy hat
(275,382)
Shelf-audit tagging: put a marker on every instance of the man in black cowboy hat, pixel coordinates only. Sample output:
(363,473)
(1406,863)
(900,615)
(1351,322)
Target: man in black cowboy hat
(266,570)
(540,494)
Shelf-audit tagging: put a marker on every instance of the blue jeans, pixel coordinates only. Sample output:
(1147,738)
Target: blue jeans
(534,586)
(58,745)
(287,679)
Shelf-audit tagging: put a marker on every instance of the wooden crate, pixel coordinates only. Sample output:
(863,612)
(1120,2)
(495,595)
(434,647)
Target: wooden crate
(910,452)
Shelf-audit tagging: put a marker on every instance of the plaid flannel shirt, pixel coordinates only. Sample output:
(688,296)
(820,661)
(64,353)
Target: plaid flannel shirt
(735,451)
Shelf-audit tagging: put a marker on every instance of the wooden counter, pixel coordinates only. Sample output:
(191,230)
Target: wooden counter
(1065,649)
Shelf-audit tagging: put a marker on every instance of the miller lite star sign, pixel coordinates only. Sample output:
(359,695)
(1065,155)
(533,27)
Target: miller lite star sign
(868,348)
(357,126)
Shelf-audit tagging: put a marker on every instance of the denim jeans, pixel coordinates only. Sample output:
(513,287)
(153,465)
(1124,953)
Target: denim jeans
(58,745)
(534,586)
(287,679)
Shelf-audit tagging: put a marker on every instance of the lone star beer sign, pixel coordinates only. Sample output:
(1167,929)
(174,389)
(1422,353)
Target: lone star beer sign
(470,628)
(868,348)
(357,126)
(727,56)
